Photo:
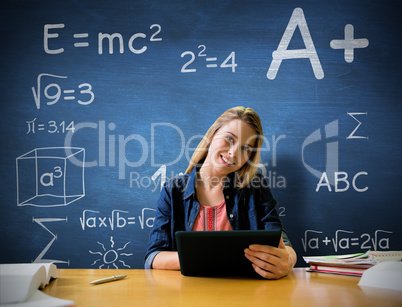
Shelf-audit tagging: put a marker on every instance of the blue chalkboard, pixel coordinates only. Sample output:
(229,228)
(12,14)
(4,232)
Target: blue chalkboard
(103,101)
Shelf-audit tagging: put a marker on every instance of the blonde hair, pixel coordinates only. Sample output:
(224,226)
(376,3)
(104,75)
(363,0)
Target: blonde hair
(249,169)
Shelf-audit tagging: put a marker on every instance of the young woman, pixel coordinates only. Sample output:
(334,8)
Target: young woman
(222,190)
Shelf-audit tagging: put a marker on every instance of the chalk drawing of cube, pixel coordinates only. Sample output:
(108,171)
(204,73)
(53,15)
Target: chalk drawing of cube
(51,176)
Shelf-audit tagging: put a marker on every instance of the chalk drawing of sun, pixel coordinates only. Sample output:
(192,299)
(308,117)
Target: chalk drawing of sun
(110,257)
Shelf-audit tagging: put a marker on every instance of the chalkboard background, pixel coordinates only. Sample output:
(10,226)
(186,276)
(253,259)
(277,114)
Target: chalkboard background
(102,101)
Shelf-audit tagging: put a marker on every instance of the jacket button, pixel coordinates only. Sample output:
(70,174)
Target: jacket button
(227,196)
(231,216)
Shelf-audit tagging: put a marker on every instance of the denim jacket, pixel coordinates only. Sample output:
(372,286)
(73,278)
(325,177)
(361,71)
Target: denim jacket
(249,208)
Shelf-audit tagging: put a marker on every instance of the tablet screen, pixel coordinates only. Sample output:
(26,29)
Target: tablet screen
(220,253)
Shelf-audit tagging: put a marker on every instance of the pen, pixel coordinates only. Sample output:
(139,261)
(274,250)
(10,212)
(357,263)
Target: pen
(107,279)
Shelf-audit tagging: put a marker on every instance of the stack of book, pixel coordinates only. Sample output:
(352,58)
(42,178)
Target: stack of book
(350,264)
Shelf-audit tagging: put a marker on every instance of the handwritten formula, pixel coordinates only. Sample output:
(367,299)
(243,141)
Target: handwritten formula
(92,219)
(345,240)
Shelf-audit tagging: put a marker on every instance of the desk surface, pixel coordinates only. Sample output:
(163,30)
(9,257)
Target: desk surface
(170,288)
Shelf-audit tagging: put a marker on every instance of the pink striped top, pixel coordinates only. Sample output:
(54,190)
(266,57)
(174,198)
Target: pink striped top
(212,218)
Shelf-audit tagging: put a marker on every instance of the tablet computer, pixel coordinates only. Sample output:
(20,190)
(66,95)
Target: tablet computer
(220,253)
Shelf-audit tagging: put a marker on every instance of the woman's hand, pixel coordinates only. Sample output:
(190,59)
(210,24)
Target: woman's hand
(271,262)
(166,261)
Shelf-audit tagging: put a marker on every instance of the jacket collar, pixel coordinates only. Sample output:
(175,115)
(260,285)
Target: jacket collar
(190,184)
(192,180)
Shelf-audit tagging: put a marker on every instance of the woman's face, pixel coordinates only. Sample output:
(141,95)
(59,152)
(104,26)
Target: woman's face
(231,146)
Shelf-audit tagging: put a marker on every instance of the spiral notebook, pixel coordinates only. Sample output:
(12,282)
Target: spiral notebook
(369,257)
(351,264)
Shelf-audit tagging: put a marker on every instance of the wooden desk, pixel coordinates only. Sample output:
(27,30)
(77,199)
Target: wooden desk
(170,288)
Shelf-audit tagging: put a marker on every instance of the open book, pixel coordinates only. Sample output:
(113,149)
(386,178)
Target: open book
(20,283)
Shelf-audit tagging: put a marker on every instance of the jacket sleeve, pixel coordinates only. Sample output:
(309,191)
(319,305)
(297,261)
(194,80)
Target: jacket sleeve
(267,205)
(160,236)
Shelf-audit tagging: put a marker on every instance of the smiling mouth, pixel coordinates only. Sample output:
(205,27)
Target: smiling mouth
(227,161)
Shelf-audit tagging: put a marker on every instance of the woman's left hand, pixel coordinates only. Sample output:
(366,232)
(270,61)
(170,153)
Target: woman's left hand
(271,262)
